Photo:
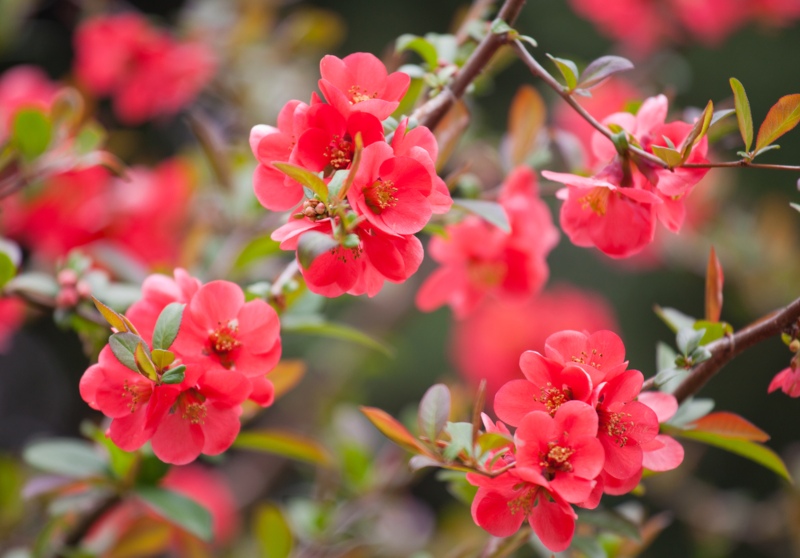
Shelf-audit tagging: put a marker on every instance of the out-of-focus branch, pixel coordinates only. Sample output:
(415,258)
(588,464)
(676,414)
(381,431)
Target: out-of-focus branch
(432,112)
(725,349)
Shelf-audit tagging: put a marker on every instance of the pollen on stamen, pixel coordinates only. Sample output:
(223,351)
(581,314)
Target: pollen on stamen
(195,413)
(380,195)
(358,95)
(596,200)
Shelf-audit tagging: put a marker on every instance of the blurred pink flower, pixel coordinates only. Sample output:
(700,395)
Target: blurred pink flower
(23,87)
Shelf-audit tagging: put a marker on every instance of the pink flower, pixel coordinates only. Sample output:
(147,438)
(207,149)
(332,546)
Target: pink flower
(359,82)
(663,453)
(479,259)
(391,192)
(12,312)
(377,258)
(157,292)
(787,380)
(148,73)
(488,342)
(504,502)
(23,87)
(601,355)
(564,448)
(420,144)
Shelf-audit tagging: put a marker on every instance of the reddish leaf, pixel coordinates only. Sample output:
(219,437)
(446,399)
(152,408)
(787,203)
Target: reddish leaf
(782,117)
(393,430)
(729,425)
(714,281)
(698,131)
(525,120)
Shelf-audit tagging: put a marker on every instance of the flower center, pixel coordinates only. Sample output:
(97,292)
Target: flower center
(486,274)
(596,200)
(616,425)
(555,460)
(553,398)
(524,502)
(137,395)
(224,344)
(357,95)
(339,152)
(585,358)
(380,195)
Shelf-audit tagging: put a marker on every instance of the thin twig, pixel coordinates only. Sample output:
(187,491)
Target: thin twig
(724,349)
(741,163)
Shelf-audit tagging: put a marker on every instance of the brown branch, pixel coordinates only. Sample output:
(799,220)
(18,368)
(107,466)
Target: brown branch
(431,113)
(725,349)
(742,163)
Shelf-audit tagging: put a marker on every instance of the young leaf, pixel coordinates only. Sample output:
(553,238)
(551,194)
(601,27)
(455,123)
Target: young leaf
(750,450)
(312,325)
(568,69)
(600,69)
(492,212)
(161,358)
(419,45)
(112,317)
(782,117)
(66,457)
(688,339)
(174,375)
(460,440)
(312,245)
(434,410)
(743,114)
(168,325)
(728,425)
(7,269)
(258,248)
(144,362)
(272,532)
(178,510)
(714,281)
(669,155)
(697,132)
(393,430)
(32,131)
(123,346)
(284,443)
(526,118)
(305,177)
(675,319)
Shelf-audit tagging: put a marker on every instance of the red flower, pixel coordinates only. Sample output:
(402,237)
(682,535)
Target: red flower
(23,87)
(420,144)
(359,83)
(391,192)
(488,342)
(787,380)
(504,502)
(12,312)
(663,453)
(148,73)
(479,259)
(157,292)
(601,355)
(564,448)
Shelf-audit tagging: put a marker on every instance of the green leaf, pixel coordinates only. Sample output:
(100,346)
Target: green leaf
(31,132)
(161,358)
(499,26)
(314,325)
(305,177)
(66,457)
(168,325)
(690,410)
(490,211)
(394,430)
(174,375)
(144,362)
(611,521)
(419,45)
(750,450)
(669,155)
(7,269)
(256,249)
(674,319)
(688,339)
(434,410)
(743,114)
(178,510)
(120,461)
(600,69)
(665,356)
(568,69)
(588,547)
(312,245)
(782,117)
(697,132)
(284,443)
(272,532)
(714,330)
(123,345)
(460,440)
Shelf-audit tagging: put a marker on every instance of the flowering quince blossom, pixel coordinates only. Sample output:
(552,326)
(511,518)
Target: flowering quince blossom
(389,196)
(12,312)
(146,71)
(227,346)
(479,259)
(620,219)
(787,380)
(488,342)
(23,87)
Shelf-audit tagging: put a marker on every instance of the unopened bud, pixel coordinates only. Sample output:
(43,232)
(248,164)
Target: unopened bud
(67,298)
(320,209)
(309,212)
(83,289)
(67,277)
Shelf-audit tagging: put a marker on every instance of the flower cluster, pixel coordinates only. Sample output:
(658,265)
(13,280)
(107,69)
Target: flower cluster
(479,259)
(583,429)
(184,395)
(374,191)
(642,25)
(147,72)
(616,209)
